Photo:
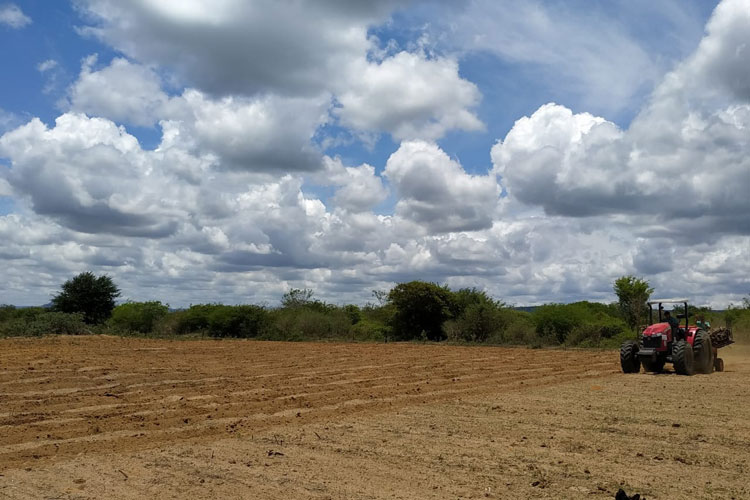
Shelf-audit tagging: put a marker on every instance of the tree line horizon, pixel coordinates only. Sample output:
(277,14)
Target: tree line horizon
(411,311)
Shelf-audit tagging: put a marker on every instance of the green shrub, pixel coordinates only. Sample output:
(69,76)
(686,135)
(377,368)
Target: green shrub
(378,314)
(354,313)
(577,323)
(594,332)
(452,331)
(192,320)
(586,335)
(367,331)
(477,323)
(10,313)
(36,323)
(245,321)
(519,329)
(303,323)
(139,317)
(616,341)
(556,320)
(216,320)
(59,323)
(13,327)
(7,313)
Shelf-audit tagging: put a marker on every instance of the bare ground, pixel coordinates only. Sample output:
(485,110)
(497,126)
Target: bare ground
(106,417)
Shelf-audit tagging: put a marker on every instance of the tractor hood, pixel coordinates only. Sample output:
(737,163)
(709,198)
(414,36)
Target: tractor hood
(657,328)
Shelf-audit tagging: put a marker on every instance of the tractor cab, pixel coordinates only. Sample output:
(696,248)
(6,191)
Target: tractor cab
(661,333)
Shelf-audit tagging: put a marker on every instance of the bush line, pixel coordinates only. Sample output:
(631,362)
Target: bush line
(414,311)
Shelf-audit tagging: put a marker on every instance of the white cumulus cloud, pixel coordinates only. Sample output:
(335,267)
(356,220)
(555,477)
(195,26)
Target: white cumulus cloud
(683,165)
(123,92)
(261,134)
(434,191)
(359,188)
(89,175)
(11,15)
(409,96)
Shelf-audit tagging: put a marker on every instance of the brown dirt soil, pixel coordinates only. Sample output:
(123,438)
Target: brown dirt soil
(107,417)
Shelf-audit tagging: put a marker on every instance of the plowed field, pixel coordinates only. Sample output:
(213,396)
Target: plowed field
(106,417)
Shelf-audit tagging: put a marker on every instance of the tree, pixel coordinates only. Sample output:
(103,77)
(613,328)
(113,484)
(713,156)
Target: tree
(381,296)
(420,307)
(92,296)
(466,297)
(632,294)
(297,297)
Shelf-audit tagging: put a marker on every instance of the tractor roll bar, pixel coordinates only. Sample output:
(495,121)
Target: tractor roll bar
(650,303)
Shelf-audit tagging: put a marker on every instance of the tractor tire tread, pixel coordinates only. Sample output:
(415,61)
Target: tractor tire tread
(682,358)
(629,360)
(703,352)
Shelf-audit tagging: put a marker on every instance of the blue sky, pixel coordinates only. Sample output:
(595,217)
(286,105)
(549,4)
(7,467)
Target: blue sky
(230,150)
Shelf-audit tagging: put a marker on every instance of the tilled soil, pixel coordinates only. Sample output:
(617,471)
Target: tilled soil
(107,417)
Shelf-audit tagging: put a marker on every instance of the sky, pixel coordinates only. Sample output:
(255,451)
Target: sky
(230,150)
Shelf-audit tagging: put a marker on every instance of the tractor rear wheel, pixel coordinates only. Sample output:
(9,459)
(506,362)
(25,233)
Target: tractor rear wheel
(682,357)
(655,366)
(718,364)
(704,352)
(629,360)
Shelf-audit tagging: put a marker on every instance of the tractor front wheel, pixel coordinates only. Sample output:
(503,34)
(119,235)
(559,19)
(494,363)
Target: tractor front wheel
(704,352)
(682,357)
(629,360)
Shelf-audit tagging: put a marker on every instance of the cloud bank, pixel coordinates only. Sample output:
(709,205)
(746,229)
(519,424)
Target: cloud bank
(241,197)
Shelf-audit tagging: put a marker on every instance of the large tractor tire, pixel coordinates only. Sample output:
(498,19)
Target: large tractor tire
(703,352)
(655,366)
(682,357)
(629,360)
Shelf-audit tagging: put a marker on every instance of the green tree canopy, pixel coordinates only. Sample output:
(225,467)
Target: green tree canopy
(92,296)
(466,297)
(632,294)
(297,297)
(420,307)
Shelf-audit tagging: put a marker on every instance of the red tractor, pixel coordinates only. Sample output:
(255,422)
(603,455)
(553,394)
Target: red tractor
(691,349)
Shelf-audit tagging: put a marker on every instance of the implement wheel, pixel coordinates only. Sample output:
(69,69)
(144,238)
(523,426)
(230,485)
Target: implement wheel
(719,364)
(682,357)
(629,360)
